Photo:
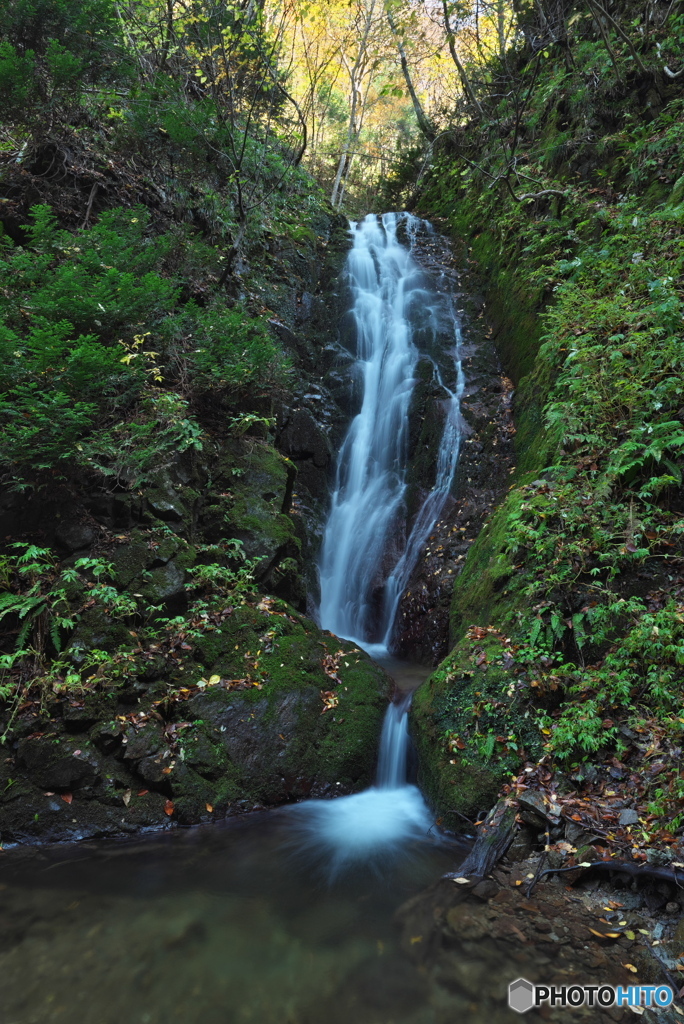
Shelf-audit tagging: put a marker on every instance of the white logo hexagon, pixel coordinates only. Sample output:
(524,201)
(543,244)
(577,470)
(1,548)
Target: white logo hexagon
(521,995)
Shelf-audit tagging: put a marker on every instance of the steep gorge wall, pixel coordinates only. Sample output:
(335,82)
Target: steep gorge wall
(557,613)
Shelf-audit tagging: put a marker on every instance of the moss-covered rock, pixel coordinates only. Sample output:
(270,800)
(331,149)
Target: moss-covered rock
(258,707)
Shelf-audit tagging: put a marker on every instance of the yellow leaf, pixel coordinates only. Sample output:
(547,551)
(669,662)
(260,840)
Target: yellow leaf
(209,808)
(214,680)
(631,936)
(416,938)
(630,967)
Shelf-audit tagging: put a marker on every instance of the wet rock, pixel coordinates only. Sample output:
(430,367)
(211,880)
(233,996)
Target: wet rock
(96,630)
(522,845)
(303,438)
(58,763)
(76,535)
(535,809)
(471,949)
(153,769)
(166,506)
(165,583)
(107,736)
(142,743)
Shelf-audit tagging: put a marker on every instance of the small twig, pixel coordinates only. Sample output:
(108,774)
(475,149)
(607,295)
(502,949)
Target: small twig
(544,192)
(537,875)
(89,207)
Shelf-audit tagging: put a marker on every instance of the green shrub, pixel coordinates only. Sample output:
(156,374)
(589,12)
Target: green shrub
(231,349)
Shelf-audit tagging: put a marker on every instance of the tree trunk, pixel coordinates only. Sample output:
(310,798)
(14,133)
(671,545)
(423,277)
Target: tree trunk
(423,122)
(465,81)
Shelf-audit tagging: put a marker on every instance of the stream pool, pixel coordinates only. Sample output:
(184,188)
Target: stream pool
(213,925)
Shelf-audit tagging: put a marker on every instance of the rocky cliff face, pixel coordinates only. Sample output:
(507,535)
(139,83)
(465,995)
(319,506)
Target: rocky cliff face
(188,711)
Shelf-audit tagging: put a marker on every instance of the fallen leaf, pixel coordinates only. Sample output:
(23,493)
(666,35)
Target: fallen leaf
(143,792)
(630,967)
(631,936)
(209,808)
(67,798)
(126,797)
(416,938)
(168,807)
(49,793)
(461,880)
(605,935)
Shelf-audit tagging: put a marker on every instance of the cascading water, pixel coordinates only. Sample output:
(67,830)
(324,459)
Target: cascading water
(380,820)
(394,306)
(393,302)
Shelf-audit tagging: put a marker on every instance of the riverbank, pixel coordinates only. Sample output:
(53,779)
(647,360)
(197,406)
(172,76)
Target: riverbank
(566,617)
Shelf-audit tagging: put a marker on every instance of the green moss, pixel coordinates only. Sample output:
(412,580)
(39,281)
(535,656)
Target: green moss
(584,289)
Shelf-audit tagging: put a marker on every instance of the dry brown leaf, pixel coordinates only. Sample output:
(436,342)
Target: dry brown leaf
(209,808)
(67,798)
(168,807)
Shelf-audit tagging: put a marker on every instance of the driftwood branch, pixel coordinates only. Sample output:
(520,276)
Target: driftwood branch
(624,867)
(493,839)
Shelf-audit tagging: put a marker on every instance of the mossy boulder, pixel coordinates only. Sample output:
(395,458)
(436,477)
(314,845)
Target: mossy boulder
(257,708)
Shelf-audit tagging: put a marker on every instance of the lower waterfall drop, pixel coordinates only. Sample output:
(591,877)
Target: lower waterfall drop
(377,822)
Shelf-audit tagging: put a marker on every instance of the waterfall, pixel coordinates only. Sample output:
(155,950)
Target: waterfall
(394,303)
(399,315)
(394,745)
(376,823)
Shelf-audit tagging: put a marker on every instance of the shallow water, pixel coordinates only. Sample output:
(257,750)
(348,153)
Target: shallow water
(226,924)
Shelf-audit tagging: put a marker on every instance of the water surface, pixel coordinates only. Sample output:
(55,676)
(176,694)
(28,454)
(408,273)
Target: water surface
(214,925)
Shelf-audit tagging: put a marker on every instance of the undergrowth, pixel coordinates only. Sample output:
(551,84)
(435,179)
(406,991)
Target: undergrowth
(582,568)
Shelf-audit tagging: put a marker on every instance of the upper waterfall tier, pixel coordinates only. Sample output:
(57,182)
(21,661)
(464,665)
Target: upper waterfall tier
(367,557)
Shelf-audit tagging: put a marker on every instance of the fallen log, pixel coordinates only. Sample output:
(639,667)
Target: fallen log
(494,836)
(674,874)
